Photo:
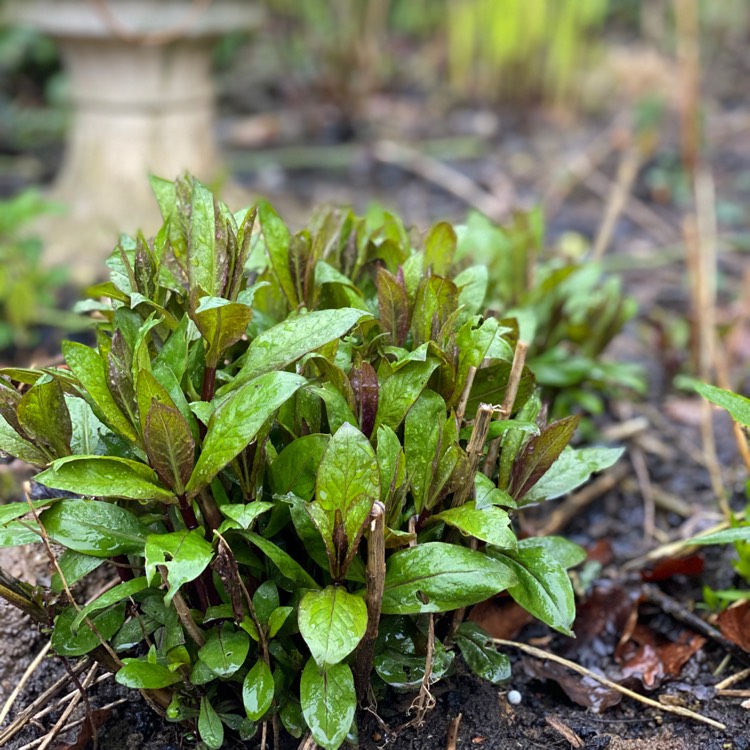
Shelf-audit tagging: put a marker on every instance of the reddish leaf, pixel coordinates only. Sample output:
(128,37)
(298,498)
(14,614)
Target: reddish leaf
(734,624)
(394,305)
(692,565)
(500,618)
(364,381)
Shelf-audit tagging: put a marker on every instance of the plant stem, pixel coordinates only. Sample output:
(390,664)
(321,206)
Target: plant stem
(204,584)
(375,576)
(122,565)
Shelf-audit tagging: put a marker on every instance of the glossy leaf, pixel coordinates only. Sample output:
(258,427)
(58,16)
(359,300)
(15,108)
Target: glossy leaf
(400,390)
(185,555)
(332,622)
(567,553)
(543,587)
(169,445)
(243,516)
(116,594)
(481,656)
(206,267)
(43,415)
(394,306)
(572,469)
(437,577)
(221,323)
(328,702)
(74,567)
(105,476)
(348,483)
(287,565)
(539,454)
(489,524)
(210,728)
(257,691)
(237,421)
(487,494)
(94,528)
(13,444)
(288,341)
(76,642)
(144,675)
(225,650)
(91,371)
(423,433)
(296,467)
(737,405)
(277,237)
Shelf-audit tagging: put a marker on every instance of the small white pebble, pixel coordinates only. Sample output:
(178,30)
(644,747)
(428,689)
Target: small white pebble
(514,697)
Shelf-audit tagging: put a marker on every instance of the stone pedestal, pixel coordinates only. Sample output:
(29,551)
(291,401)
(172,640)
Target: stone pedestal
(142,101)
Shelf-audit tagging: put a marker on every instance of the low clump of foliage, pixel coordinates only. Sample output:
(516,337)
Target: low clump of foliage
(738,534)
(302,454)
(28,291)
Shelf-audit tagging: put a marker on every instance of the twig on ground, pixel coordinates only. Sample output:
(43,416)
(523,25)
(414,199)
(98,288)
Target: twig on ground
(452,740)
(627,171)
(647,493)
(563,729)
(575,503)
(540,654)
(625,430)
(733,679)
(308,743)
(680,613)
(440,174)
(36,661)
(733,693)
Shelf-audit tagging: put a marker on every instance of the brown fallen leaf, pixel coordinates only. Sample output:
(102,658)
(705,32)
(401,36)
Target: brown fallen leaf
(500,618)
(734,623)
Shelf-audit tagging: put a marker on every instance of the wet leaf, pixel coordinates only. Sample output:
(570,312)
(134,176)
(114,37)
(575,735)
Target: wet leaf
(68,641)
(116,594)
(141,674)
(225,650)
(481,656)
(539,455)
(169,445)
(489,524)
(277,238)
(296,467)
(437,577)
(105,476)
(328,702)
(94,528)
(287,566)
(257,691)
(364,382)
(400,390)
(332,622)
(210,727)
(185,554)
(221,323)
(423,434)
(243,516)
(14,445)
(43,415)
(237,421)
(440,248)
(738,406)
(394,305)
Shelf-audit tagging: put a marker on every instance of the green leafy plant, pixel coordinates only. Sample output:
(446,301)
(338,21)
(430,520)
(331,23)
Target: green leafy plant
(738,534)
(28,292)
(302,454)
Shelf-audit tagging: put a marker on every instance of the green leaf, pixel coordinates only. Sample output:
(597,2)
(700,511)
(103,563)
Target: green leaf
(16,534)
(238,420)
(573,468)
(87,429)
(169,445)
(543,587)
(105,476)
(286,342)
(206,267)
(296,467)
(222,323)
(68,642)
(400,390)
(472,289)
(277,619)
(243,516)
(567,553)
(437,300)
(393,304)
(727,536)
(738,406)
(257,691)
(392,464)
(348,484)
(490,384)
(91,371)
(74,566)
(44,417)
(13,444)
(440,248)
(332,622)
(225,650)
(144,675)
(188,552)
(277,238)
(287,566)
(94,528)
(489,524)
(539,454)
(437,577)
(210,727)
(487,494)
(265,600)
(328,702)
(116,594)
(423,434)
(481,656)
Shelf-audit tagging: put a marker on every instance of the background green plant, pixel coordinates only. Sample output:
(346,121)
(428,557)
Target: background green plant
(286,446)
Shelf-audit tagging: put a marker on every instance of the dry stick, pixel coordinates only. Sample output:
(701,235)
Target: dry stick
(452,741)
(449,179)
(183,611)
(733,693)
(65,698)
(24,679)
(627,171)
(308,743)
(375,575)
(563,729)
(724,381)
(69,710)
(464,400)
(575,503)
(676,610)
(538,653)
(425,701)
(733,679)
(511,391)
(647,493)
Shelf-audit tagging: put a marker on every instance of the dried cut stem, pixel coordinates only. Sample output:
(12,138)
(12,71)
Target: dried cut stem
(464,400)
(425,700)
(375,576)
(538,653)
(474,452)
(452,740)
(183,612)
(514,380)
